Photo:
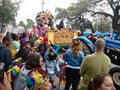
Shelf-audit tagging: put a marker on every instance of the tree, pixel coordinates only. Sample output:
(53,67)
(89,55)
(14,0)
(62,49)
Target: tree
(22,24)
(114,7)
(30,23)
(8,12)
(61,13)
(26,26)
(75,13)
(108,8)
(102,24)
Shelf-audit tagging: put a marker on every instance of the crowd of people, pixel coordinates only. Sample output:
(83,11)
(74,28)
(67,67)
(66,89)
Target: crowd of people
(32,63)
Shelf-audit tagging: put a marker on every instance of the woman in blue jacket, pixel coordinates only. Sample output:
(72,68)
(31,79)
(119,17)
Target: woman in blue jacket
(73,57)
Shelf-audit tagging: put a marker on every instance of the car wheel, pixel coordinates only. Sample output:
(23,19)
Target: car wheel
(86,48)
(115,73)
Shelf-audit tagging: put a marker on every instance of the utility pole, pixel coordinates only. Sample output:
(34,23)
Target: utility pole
(43,5)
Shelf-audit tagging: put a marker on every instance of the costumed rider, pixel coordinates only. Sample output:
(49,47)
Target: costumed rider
(41,24)
(50,21)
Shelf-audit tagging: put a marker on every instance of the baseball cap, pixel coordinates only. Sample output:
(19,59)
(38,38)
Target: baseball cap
(24,40)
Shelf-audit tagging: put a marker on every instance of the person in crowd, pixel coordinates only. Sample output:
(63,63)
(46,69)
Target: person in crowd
(61,24)
(41,49)
(51,64)
(36,79)
(18,61)
(102,81)
(61,73)
(37,43)
(15,43)
(6,84)
(95,63)
(5,55)
(73,57)
(32,39)
(7,42)
(23,53)
(25,42)
(35,60)
(23,35)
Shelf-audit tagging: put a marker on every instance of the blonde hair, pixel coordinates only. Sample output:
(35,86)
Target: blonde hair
(76,46)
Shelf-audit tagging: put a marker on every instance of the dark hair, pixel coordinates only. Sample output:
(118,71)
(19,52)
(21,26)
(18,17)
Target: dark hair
(23,53)
(51,55)
(97,81)
(41,46)
(6,38)
(33,61)
(23,36)
(14,36)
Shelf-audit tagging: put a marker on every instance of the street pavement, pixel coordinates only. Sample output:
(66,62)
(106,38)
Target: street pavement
(60,54)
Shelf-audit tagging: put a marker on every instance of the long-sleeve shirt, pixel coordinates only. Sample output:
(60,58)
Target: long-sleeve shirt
(73,61)
(93,64)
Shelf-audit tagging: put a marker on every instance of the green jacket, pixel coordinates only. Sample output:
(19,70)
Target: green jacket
(93,64)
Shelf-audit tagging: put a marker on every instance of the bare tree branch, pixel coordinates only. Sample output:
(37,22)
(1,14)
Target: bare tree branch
(111,5)
(97,1)
(102,13)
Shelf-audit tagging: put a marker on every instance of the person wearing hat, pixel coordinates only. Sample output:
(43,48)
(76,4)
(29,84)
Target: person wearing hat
(25,42)
(36,79)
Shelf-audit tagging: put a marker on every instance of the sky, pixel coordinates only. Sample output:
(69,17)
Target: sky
(29,8)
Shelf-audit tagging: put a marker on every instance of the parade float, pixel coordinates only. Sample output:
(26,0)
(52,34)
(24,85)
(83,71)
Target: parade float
(45,26)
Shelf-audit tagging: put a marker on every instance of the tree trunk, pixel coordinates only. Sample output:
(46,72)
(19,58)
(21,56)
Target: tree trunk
(1,28)
(115,19)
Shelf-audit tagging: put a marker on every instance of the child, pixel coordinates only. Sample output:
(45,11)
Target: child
(61,73)
(51,64)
